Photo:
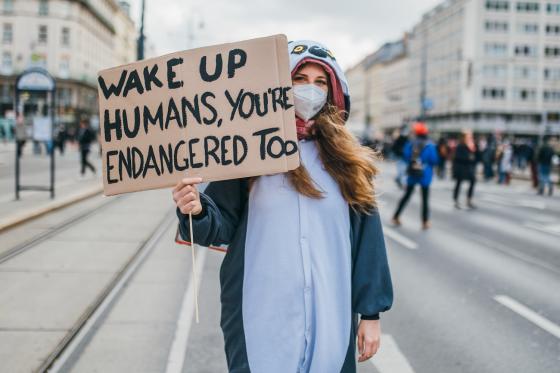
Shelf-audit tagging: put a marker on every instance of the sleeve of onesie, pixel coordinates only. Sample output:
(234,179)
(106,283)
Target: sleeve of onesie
(223,203)
(372,290)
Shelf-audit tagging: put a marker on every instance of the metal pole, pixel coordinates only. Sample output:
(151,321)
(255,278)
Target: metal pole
(423,76)
(18,149)
(52,93)
(141,37)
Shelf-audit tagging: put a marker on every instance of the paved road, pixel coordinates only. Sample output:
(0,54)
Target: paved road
(476,293)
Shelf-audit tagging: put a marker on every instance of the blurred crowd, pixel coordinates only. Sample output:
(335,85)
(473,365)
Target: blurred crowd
(493,157)
(465,157)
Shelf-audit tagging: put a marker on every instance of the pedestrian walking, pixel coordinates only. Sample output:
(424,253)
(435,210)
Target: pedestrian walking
(85,138)
(421,156)
(306,249)
(464,168)
(443,154)
(488,157)
(544,166)
(505,160)
(61,137)
(398,148)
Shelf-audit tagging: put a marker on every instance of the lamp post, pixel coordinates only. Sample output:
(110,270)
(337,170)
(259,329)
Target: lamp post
(141,37)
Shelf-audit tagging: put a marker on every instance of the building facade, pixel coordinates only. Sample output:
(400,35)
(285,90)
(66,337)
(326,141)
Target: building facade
(490,66)
(379,86)
(72,39)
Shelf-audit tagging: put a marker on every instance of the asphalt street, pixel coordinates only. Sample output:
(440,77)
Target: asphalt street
(478,292)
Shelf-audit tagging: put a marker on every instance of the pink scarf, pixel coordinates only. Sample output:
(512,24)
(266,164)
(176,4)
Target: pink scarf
(303,128)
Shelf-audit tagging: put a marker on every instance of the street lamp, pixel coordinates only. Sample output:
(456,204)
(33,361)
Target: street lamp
(141,37)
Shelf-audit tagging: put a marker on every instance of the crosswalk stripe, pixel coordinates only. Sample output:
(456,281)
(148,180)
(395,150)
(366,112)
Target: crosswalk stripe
(399,238)
(529,314)
(176,357)
(389,358)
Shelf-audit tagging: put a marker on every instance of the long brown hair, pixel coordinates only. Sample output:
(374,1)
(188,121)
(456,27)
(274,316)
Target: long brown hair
(349,163)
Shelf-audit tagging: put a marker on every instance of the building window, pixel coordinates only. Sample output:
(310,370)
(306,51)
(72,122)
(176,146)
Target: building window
(526,50)
(497,5)
(552,73)
(64,67)
(493,93)
(43,34)
(43,7)
(528,28)
(494,26)
(553,8)
(8,6)
(494,71)
(495,49)
(7,63)
(65,36)
(553,29)
(524,94)
(551,95)
(7,33)
(526,72)
(527,7)
(552,51)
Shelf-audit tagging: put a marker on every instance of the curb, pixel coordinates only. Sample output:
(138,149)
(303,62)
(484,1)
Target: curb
(53,206)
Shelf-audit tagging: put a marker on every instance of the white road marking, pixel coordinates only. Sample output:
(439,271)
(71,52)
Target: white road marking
(484,242)
(176,357)
(389,358)
(549,228)
(538,205)
(529,314)
(399,238)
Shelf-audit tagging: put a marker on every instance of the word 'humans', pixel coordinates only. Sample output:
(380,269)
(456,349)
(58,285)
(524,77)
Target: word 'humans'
(132,80)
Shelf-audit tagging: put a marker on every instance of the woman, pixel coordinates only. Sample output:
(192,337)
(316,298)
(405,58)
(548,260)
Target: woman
(306,249)
(464,167)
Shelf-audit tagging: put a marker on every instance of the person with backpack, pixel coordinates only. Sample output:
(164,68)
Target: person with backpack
(544,165)
(421,156)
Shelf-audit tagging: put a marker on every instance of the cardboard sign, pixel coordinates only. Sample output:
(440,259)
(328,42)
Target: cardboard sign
(219,112)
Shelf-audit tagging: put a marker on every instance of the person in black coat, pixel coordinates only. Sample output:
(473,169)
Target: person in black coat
(85,137)
(464,167)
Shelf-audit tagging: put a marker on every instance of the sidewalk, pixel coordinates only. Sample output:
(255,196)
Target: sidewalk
(70,187)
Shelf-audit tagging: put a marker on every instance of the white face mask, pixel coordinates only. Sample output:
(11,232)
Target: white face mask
(308,100)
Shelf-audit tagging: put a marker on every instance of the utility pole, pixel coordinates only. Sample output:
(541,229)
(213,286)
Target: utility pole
(423,75)
(141,37)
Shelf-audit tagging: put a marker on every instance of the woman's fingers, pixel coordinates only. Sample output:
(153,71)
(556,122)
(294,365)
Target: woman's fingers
(370,348)
(360,343)
(184,191)
(186,181)
(193,207)
(185,186)
(188,198)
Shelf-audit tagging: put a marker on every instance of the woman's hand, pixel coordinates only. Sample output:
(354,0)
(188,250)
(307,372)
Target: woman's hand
(369,337)
(186,196)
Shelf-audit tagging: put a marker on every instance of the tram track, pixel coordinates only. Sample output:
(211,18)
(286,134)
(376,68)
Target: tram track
(59,228)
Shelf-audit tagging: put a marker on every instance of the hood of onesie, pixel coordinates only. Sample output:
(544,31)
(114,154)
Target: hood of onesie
(303,51)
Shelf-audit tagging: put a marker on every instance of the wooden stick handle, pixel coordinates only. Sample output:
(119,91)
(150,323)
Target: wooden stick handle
(193,268)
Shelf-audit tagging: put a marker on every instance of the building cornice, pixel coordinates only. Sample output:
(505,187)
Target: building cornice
(105,22)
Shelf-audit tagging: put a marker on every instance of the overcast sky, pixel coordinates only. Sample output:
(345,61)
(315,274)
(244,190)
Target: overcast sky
(350,31)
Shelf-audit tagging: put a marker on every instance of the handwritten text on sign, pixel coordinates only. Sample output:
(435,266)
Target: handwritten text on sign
(218,112)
